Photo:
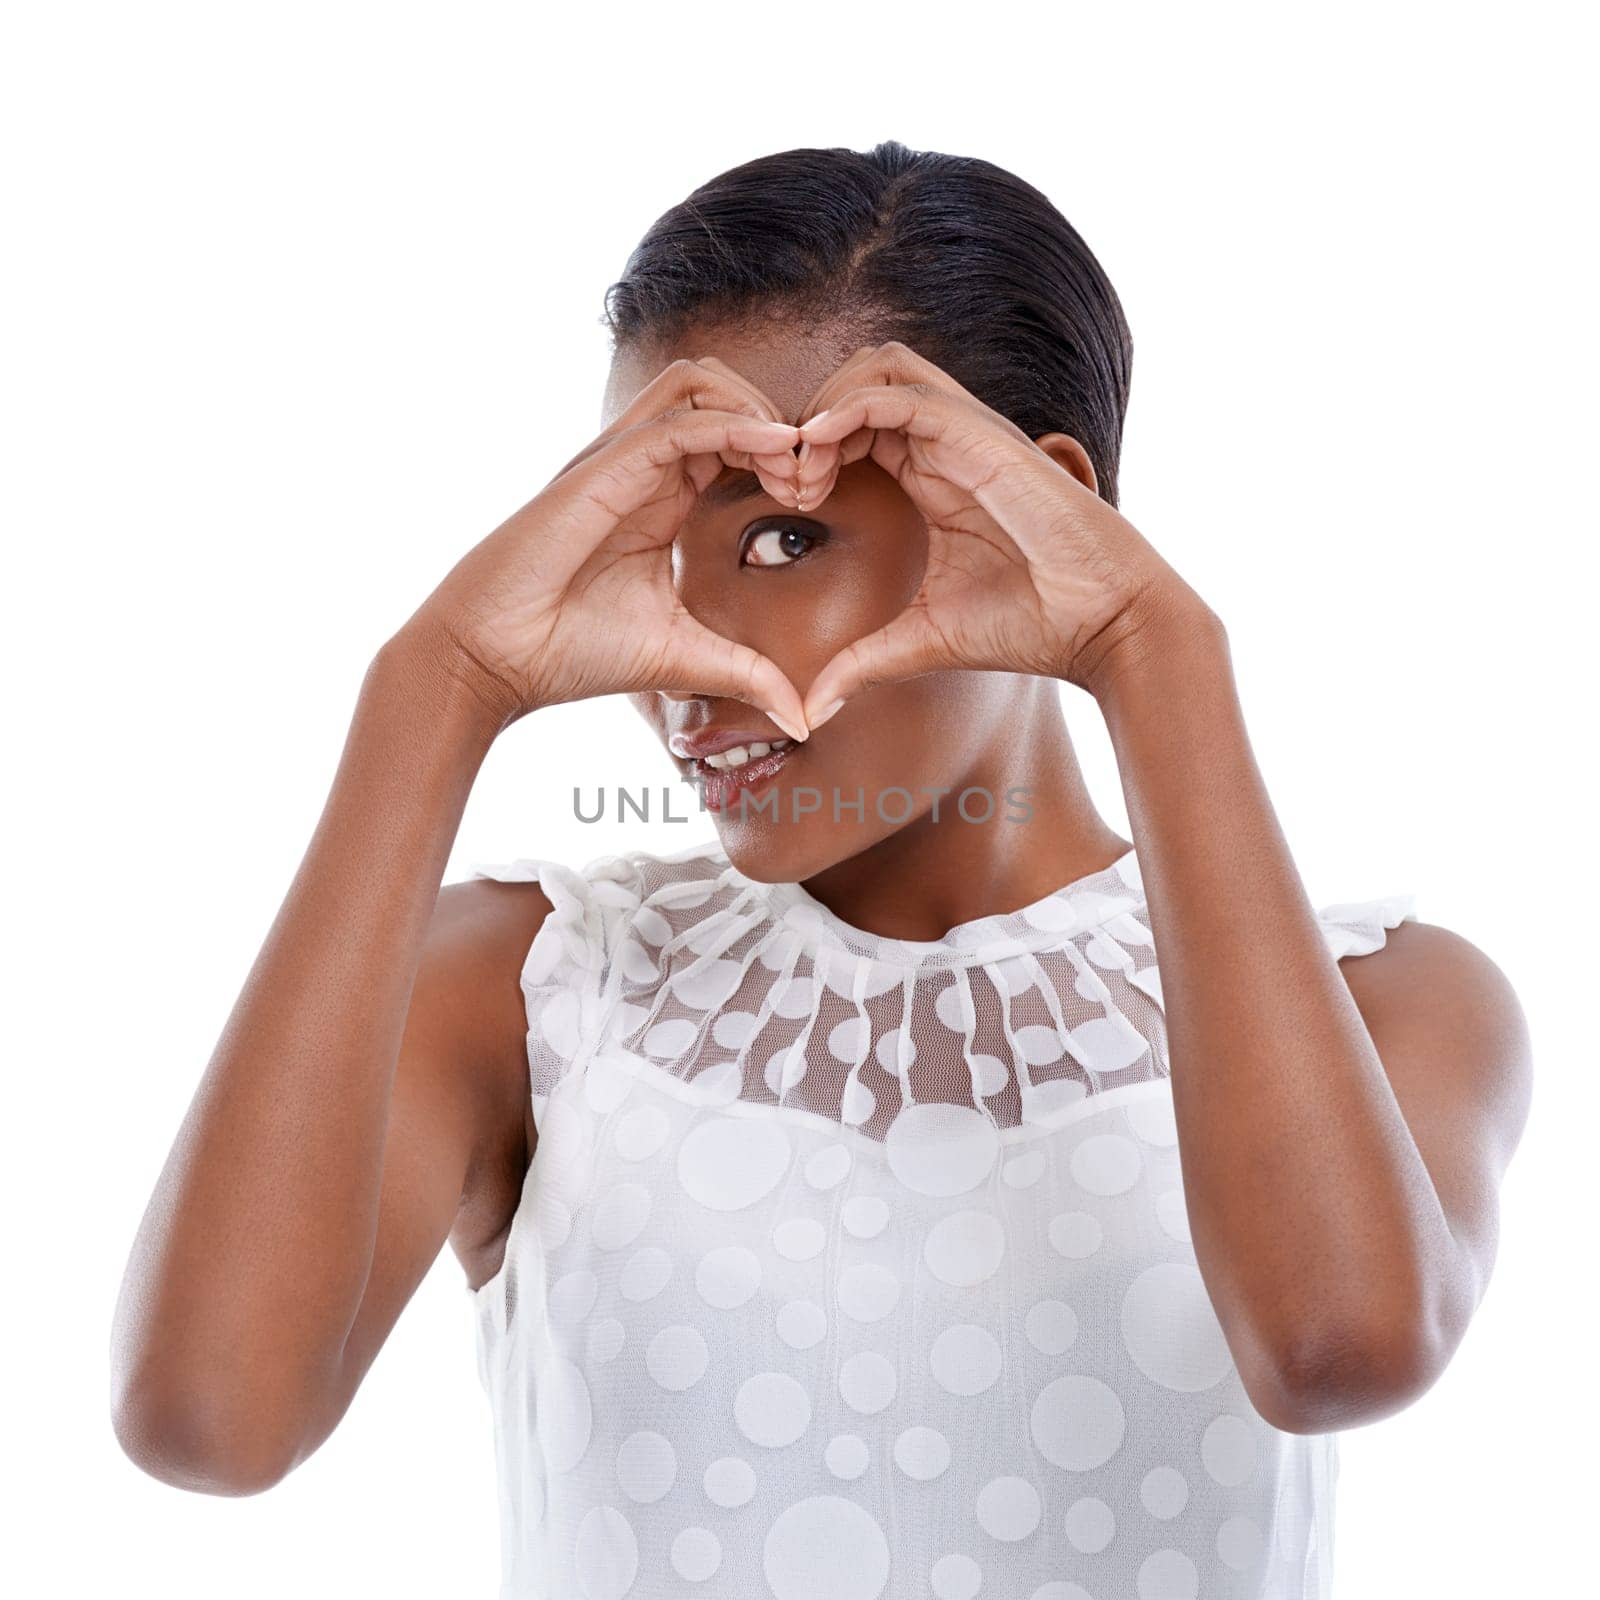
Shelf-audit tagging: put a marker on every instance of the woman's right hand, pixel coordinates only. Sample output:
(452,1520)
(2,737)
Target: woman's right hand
(572,596)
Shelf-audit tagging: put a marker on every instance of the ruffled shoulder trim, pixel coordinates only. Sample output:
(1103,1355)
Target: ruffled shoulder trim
(604,919)
(566,970)
(1359,927)
(587,905)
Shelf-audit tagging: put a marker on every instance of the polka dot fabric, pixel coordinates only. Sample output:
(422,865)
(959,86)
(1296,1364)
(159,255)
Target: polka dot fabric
(849,1268)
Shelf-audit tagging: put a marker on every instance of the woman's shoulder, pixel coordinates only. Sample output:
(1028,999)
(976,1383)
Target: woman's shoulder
(594,904)
(615,877)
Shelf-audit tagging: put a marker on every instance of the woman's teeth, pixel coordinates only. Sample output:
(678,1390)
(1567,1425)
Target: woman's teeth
(741,753)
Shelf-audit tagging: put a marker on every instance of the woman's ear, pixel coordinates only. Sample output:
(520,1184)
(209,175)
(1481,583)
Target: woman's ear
(1066,452)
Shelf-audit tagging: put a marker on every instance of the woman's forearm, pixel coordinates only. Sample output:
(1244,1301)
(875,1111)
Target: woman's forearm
(1315,1220)
(251,1260)
(261,1248)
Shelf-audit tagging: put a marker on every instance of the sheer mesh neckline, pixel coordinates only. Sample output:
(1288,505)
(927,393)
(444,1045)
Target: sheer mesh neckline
(1077,907)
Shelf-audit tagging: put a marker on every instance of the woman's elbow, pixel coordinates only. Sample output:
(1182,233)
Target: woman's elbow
(192,1443)
(1340,1381)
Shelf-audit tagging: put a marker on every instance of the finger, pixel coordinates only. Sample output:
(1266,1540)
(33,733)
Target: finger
(850,374)
(708,384)
(694,385)
(656,462)
(1006,473)
(763,402)
(913,409)
(628,471)
(776,472)
(705,662)
(892,362)
(896,363)
(905,647)
(817,468)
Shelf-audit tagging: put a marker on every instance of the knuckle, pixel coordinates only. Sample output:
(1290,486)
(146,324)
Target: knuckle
(666,423)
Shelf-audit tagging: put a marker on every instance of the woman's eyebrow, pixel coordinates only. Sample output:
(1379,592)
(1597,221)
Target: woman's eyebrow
(733,487)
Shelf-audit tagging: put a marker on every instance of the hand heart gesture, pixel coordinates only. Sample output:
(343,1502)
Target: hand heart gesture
(1028,569)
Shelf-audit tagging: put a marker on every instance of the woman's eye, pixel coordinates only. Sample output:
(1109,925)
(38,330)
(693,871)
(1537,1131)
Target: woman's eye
(778,547)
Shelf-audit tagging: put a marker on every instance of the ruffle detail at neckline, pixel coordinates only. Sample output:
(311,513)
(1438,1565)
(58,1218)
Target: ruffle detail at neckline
(1092,901)
(753,992)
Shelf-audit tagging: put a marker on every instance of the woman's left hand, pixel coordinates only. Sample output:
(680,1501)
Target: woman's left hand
(1028,569)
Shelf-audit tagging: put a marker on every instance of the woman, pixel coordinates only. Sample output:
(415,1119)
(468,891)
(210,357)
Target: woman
(818,1187)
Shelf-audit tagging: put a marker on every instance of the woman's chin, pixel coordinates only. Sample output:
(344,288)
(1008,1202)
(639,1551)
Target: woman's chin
(766,851)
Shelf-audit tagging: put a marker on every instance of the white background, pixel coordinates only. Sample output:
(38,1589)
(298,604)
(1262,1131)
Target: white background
(301,300)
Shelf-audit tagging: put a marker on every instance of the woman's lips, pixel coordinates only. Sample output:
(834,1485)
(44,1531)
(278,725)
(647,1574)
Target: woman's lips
(720,786)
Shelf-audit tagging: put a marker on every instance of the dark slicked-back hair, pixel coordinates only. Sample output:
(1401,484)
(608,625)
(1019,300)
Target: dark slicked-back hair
(958,258)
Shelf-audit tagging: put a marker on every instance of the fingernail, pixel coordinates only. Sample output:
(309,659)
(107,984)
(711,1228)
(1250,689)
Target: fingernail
(812,421)
(789,728)
(823,715)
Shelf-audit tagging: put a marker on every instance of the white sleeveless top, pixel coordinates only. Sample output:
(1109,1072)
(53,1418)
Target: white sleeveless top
(851,1268)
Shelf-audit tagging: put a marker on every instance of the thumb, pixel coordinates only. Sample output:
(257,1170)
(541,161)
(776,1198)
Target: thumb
(704,662)
(903,648)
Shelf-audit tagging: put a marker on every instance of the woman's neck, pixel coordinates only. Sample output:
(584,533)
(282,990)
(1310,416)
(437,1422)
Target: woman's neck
(932,875)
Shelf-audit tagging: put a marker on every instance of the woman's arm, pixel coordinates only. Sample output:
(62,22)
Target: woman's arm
(1341,1164)
(256,1293)
(366,1084)
(1343,1136)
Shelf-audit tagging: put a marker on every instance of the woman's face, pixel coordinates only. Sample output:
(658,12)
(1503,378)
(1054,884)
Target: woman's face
(799,586)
